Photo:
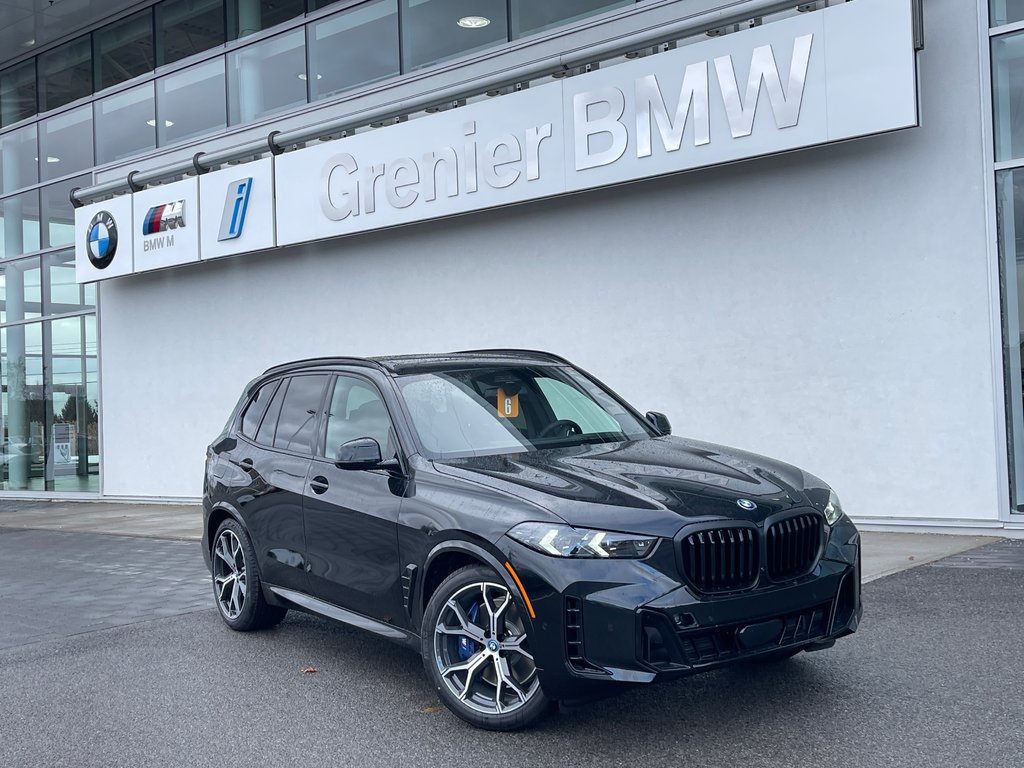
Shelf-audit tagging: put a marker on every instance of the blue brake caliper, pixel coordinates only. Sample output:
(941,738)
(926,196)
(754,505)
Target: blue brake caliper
(466,646)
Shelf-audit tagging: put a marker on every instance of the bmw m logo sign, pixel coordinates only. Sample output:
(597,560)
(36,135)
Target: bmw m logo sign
(101,240)
(162,218)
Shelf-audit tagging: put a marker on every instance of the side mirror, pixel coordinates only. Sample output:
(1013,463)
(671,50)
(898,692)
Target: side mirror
(361,453)
(660,422)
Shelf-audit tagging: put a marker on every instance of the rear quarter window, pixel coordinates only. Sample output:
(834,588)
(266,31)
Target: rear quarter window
(255,409)
(265,435)
(297,421)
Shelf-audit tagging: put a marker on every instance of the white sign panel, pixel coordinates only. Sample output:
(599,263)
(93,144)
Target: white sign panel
(489,154)
(166,225)
(833,74)
(236,209)
(103,240)
(846,71)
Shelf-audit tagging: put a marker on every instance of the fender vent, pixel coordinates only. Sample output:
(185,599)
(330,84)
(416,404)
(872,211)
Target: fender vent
(574,651)
(408,581)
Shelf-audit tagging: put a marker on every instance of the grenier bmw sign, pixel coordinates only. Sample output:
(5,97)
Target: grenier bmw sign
(846,71)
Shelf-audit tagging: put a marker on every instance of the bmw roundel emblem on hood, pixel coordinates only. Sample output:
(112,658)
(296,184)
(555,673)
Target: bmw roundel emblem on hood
(746,504)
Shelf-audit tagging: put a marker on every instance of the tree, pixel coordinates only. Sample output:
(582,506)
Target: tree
(69,413)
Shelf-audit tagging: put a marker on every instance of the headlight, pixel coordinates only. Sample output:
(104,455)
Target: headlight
(833,510)
(564,541)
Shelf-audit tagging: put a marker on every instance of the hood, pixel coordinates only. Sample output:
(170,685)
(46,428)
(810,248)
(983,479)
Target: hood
(652,486)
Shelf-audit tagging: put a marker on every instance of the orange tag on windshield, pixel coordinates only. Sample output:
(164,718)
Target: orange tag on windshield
(508,405)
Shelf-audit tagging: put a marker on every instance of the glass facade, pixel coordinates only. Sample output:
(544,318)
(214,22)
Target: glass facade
(191,102)
(1008,95)
(187,27)
(251,16)
(19,159)
(18,93)
(435,30)
(124,50)
(65,74)
(531,16)
(49,382)
(1008,125)
(1006,12)
(267,77)
(65,143)
(353,48)
(125,124)
(58,215)
(19,224)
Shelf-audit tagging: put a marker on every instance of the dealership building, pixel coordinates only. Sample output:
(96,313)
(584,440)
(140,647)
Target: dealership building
(789,226)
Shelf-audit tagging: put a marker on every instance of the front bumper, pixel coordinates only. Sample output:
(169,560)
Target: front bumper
(637,621)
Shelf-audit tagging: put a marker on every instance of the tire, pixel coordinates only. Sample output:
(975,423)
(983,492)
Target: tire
(487,678)
(237,588)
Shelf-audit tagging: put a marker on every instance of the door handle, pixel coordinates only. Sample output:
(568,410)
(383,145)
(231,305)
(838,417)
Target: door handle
(319,485)
(245,464)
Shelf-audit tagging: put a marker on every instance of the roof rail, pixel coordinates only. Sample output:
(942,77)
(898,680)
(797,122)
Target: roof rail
(310,361)
(514,352)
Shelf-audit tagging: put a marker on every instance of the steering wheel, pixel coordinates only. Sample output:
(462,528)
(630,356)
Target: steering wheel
(561,428)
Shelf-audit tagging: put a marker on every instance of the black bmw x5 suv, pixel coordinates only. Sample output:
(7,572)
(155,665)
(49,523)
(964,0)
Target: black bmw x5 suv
(518,524)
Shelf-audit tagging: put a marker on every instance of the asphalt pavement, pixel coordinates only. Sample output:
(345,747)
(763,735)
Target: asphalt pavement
(146,674)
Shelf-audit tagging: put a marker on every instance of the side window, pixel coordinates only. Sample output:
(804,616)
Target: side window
(265,435)
(256,408)
(297,421)
(357,410)
(567,402)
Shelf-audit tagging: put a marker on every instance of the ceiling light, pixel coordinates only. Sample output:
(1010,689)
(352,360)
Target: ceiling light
(303,78)
(473,22)
(52,159)
(152,123)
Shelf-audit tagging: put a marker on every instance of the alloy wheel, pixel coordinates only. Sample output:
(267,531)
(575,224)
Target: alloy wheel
(481,650)
(229,574)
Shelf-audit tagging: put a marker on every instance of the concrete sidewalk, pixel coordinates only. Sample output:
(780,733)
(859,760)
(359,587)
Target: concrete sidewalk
(159,521)
(883,554)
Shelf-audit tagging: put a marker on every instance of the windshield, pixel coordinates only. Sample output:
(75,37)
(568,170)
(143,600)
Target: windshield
(495,410)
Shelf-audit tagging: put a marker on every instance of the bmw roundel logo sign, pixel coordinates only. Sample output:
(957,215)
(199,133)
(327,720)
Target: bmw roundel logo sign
(101,240)
(746,504)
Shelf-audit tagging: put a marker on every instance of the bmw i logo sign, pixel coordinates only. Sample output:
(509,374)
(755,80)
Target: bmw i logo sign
(746,504)
(101,240)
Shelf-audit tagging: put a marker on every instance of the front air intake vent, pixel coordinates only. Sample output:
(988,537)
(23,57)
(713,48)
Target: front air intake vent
(574,650)
(793,546)
(721,559)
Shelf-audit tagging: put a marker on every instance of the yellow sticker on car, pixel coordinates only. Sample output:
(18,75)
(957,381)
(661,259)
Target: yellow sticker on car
(508,405)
